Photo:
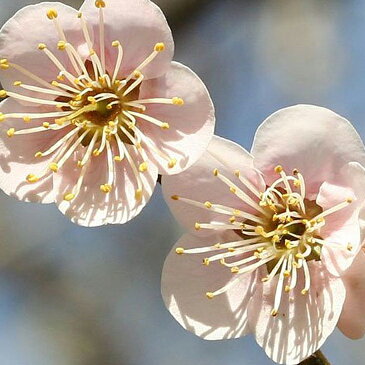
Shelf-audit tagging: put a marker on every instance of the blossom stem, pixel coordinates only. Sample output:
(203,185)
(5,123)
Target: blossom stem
(316,359)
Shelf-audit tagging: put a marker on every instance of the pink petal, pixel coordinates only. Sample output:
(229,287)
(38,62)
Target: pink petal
(352,320)
(17,156)
(191,125)
(200,184)
(303,322)
(21,35)
(184,284)
(138,25)
(91,207)
(312,139)
(342,227)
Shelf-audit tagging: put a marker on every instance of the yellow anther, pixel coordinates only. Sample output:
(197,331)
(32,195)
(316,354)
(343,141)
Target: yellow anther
(137,74)
(197,226)
(286,273)
(304,292)
(349,200)
(287,289)
(179,250)
(260,230)
(106,188)
(42,46)
(165,125)
(172,163)
(297,183)
(206,261)
(52,14)
(235,270)
(231,249)
(232,219)
(138,194)
(61,45)
(111,123)
(4,64)
(295,172)
(275,238)
(299,256)
(96,152)
(2,117)
(79,163)
(208,204)
(288,244)
(55,83)
(68,196)
(100,4)
(91,99)
(215,172)
(117,158)
(349,247)
(17,83)
(59,121)
(92,52)
(77,82)
(3,94)
(45,124)
(217,245)
(31,178)
(274,312)
(143,167)
(237,173)
(278,169)
(177,101)
(38,154)
(61,77)
(53,166)
(265,279)
(115,43)
(175,197)
(159,47)
(232,190)
(10,132)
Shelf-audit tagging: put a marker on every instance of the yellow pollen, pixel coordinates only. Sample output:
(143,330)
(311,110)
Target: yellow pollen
(197,226)
(179,250)
(159,47)
(100,4)
(278,169)
(61,45)
(286,273)
(38,154)
(2,117)
(208,204)
(52,14)
(177,101)
(117,158)
(42,46)
(3,94)
(79,163)
(115,43)
(165,125)
(143,167)
(106,188)
(45,124)
(206,262)
(287,289)
(53,166)
(175,197)
(55,83)
(68,196)
(260,230)
(31,178)
(138,194)
(58,121)
(4,64)
(232,219)
(235,270)
(10,132)
(17,83)
(232,190)
(209,295)
(96,152)
(61,77)
(172,163)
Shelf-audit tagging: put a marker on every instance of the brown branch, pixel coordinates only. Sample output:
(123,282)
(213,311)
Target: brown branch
(316,359)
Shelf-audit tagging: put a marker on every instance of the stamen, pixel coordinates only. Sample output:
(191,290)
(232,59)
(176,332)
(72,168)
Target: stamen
(279,290)
(152,120)
(119,60)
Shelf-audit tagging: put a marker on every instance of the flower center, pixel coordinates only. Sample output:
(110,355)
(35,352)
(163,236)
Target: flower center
(282,235)
(93,107)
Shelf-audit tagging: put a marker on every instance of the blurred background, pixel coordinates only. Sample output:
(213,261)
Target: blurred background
(76,296)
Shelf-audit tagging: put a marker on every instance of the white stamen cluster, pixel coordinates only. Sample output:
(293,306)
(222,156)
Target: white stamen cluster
(283,234)
(100,109)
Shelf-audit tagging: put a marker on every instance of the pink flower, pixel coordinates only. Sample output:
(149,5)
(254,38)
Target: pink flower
(276,231)
(96,108)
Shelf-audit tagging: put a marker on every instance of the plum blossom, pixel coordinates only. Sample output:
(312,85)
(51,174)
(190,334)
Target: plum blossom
(95,108)
(276,246)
